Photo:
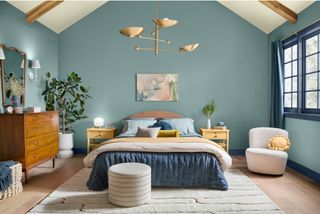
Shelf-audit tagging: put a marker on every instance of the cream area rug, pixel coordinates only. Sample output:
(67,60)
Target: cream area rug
(242,197)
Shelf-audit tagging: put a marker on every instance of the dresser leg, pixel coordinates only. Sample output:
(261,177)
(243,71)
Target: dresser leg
(26,176)
(53,162)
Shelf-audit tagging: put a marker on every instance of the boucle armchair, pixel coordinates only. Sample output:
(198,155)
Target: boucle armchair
(260,158)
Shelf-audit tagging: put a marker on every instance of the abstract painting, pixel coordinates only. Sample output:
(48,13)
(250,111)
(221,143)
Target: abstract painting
(157,87)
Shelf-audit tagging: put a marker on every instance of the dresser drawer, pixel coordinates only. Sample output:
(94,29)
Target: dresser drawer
(100,134)
(41,154)
(40,141)
(40,117)
(33,130)
(215,135)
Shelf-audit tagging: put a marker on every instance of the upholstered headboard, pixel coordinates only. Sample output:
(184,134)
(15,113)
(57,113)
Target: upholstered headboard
(156,114)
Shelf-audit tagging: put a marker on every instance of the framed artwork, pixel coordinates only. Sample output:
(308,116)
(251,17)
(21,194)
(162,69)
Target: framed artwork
(157,87)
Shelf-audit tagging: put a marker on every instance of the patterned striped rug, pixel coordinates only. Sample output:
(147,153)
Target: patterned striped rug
(242,197)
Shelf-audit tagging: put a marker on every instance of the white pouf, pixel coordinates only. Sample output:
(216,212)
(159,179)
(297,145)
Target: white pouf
(129,184)
(266,161)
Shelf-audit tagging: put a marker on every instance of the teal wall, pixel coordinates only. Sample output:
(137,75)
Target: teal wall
(230,65)
(304,134)
(34,39)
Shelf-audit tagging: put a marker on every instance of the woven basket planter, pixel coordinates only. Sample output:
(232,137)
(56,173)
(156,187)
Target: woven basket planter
(16,186)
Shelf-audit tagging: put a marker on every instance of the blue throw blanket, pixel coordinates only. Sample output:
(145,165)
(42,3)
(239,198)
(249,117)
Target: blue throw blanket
(167,169)
(5,175)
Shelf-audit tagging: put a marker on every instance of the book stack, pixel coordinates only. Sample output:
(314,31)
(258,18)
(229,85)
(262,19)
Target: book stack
(220,125)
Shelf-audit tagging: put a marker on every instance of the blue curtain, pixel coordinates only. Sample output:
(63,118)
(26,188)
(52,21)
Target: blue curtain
(277,111)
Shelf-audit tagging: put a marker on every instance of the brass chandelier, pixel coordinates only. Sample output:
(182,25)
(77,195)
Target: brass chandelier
(136,32)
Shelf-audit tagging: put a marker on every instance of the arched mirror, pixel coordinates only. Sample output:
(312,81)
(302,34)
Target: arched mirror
(13,64)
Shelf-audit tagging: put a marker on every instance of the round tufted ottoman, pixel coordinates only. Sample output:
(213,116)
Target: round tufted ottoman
(129,184)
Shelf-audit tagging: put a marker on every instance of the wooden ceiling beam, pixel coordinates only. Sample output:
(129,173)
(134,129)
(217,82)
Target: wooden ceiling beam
(41,9)
(282,10)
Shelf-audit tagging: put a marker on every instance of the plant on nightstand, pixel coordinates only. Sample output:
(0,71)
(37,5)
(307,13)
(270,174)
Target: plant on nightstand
(68,98)
(208,111)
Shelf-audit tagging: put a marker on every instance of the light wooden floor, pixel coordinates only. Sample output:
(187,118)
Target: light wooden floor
(293,192)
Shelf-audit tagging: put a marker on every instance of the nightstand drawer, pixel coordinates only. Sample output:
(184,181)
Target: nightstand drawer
(215,135)
(100,134)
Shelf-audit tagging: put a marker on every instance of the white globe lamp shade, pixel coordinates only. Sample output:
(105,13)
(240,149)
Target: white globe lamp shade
(98,122)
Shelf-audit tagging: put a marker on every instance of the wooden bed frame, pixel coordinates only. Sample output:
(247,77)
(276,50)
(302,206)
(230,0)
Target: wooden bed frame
(156,114)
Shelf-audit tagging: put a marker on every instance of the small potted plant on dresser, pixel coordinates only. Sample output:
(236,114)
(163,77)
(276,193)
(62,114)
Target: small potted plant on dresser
(208,111)
(68,98)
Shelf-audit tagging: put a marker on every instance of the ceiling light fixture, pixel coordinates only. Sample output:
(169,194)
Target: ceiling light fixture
(136,32)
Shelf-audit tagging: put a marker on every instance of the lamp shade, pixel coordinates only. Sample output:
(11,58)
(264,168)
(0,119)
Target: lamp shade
(98,122)
(35,64)
(131,31)
(189,48)
(2,56)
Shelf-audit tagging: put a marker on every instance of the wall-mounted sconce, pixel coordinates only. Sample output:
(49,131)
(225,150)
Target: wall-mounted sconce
(35,64)
(2,56)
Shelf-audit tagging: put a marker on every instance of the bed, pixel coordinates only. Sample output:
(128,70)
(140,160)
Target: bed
(186,161)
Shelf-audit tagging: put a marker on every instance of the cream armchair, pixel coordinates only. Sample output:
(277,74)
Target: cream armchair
(260,159)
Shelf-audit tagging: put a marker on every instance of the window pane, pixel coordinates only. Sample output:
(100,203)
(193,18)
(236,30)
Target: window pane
(311,63)
(294,52)
(287,70)
(311,100)
(294,68)
(294,84)
(287,100)
(287,85)
(311,81)
(287,54)
(312,45)
(294,100)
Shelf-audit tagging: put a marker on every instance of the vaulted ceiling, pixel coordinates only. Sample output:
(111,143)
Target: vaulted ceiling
(69,12)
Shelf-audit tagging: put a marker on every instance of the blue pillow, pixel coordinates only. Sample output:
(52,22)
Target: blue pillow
(184,125)
(163,125)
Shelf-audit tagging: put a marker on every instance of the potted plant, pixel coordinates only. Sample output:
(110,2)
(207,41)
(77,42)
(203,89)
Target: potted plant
(68,98)
(208,111)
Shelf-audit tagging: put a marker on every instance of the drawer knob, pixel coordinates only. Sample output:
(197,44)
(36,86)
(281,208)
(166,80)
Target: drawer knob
(34,129)
(215,136)
(34,119)
(35,155)
(35,142)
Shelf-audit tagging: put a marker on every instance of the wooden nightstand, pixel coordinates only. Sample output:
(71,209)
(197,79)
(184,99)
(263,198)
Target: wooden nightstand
(217,134)
(98,133)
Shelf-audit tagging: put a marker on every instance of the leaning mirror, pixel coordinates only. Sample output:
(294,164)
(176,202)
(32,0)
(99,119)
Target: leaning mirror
(13,74)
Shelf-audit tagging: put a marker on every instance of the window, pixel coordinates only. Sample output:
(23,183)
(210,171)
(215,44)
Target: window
(301,78)
(311,74)
(291,77)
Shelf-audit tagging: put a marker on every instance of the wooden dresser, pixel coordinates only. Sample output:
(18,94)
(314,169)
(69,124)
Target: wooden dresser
(30,138)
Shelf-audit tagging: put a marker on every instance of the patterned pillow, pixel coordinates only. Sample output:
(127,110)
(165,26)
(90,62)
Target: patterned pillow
(148,132)
(279,142)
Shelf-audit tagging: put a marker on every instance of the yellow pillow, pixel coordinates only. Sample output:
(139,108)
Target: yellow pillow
(279,142)
(168,133)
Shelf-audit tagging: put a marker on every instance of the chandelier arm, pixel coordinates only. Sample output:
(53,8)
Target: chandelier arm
(150,38)
(169,50)
(144,49)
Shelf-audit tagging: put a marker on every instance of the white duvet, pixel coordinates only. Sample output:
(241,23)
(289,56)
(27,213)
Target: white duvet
(161,145)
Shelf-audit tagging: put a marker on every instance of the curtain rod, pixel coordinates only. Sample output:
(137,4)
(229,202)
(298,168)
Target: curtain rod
(296,32)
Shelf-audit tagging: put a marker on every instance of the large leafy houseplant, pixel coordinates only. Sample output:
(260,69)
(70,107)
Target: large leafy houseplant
(208,110)
(67,97)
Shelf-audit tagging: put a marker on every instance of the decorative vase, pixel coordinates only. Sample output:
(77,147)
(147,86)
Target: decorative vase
(65,145)
(16,100)
(208,123)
